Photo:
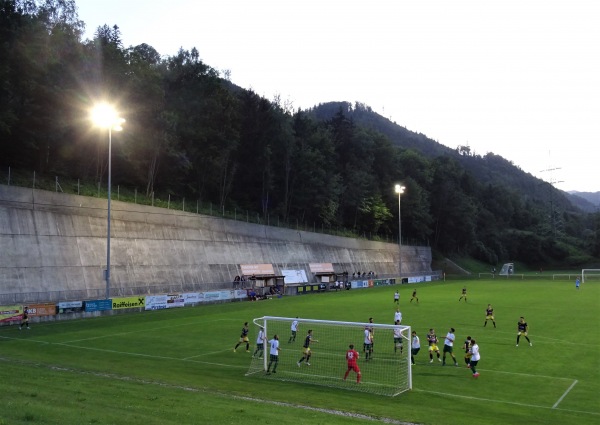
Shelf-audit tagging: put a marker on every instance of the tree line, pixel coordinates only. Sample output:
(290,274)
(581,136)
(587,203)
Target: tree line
(191,131)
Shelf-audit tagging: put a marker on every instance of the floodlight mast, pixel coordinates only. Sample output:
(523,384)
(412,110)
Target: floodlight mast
(105,116)
(400,190)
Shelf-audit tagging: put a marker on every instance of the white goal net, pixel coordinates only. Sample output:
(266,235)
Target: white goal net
(386,371)
(589,275)
(507,269)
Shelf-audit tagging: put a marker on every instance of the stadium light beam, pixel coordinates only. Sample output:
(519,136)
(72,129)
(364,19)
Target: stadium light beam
(105,116)
(400,190)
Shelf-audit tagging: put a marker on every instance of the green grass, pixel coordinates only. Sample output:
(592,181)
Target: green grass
(177,366)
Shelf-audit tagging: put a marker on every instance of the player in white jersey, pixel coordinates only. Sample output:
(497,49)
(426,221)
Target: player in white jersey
(368,343)
(260,343)
(398,338)
(415,346)
(449,347)
(273,354)
(398,316)
(294,328)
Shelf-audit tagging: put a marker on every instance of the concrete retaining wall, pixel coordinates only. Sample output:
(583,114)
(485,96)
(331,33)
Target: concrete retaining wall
(52,243)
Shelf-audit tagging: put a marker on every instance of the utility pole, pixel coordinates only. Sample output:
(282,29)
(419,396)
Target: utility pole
(551,182)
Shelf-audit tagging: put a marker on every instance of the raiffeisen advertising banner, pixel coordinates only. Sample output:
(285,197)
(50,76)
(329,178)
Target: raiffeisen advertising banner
(128,302)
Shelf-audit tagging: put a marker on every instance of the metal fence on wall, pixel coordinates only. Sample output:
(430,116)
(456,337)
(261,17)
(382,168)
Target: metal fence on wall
(180,203)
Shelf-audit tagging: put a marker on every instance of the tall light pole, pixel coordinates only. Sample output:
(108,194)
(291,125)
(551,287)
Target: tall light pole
(105,116)
(400,190)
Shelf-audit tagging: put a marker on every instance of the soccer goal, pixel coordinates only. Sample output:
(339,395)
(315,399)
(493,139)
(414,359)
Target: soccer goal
(588,275)
(507,269)
(386,372)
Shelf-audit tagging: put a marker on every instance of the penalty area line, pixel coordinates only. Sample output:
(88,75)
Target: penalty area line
(564,394)
(514,403)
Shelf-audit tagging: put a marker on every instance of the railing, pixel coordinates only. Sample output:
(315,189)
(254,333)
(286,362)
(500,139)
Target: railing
(100,293)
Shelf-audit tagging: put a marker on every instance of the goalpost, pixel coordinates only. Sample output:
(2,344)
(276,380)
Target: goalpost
(507,269)
(590,274)
(386,372)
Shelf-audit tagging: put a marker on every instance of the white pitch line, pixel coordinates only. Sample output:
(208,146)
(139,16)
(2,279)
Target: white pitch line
(564,394)
(205,354)
(506,402)
(66,344)
(141,330)
(539,339)
(25,339)
(151,356)
(227,395)
(524,374)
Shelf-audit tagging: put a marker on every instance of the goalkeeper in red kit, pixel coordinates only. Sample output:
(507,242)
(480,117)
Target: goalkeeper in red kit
(351,358)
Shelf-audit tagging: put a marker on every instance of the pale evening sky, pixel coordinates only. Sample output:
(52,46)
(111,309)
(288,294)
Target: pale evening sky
(519,78)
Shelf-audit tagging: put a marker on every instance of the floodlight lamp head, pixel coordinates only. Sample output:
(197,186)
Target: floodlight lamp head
(105,116)
(399,189)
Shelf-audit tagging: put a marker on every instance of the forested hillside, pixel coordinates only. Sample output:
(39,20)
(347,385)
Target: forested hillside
(193,134)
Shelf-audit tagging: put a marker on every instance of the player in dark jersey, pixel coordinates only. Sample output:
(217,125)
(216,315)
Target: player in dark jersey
(244,338)
(463,294)
(522,329)
(24,319)
(414,296)
(489,315)
(467,347)
(433,341)
(306,352)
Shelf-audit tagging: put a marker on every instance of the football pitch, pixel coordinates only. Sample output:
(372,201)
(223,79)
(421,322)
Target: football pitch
(177,366)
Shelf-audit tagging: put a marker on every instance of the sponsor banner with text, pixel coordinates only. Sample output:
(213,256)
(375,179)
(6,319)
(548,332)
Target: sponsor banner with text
(175,300)
(128,302)
(42,309)
(257,269)
(11,313)
(191,298)
(156,302)
(321,267)
(70,307)
(220,295)
(419,279)
(359,284)
(98,305)
(294,276)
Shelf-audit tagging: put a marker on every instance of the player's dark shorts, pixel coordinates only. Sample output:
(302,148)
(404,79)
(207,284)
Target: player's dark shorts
(367,347)
(448,348)
(273,358)
(398,341)
(415,351)
(260,346)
